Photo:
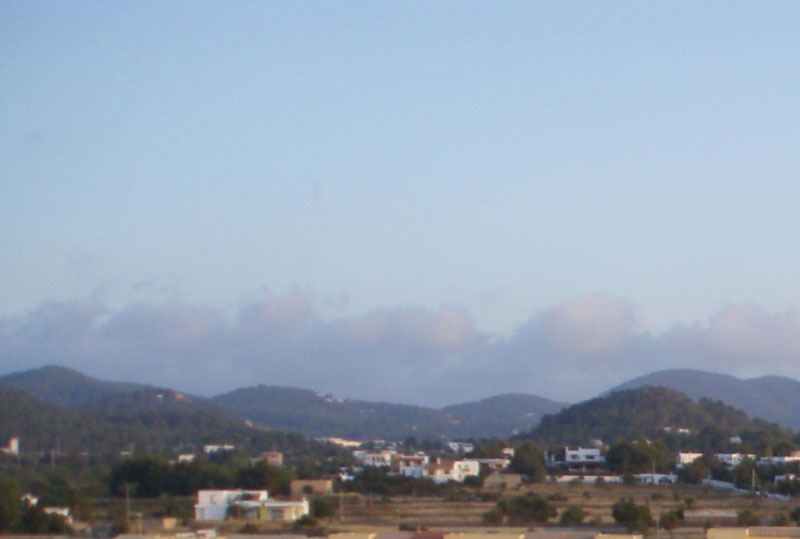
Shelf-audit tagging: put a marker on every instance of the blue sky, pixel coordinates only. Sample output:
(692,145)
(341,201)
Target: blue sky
(488,166)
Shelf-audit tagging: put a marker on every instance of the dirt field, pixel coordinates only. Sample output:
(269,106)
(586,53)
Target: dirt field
(595,500)
(374,513)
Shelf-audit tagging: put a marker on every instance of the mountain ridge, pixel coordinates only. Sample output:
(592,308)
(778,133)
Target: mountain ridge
(289,408)
(771,397)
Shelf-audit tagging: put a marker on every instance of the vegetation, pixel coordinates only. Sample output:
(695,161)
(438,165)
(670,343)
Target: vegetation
(19,517)
(646,412)
(526,509)
(633,517)
(572,516)
(529,461)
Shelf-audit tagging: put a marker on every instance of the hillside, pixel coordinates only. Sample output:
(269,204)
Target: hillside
(774,398)
(643,412)
(305,411)
(64,387)
(42,426)
(290,409)
(503,415)
(314,414)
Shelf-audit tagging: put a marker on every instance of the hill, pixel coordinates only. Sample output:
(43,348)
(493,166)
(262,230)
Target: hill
(320,415)
(503,415)
(64,387)
(288,409)
(774,398)
(42,426)
(305,411)
(643,412)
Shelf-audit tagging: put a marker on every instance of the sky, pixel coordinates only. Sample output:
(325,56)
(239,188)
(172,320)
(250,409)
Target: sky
(424,202)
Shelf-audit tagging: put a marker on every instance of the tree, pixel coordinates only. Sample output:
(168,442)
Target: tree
(321,507)
(633,517)
(669,521)
(528,460)
(526,509)
(572,515)
(9,503)
(695,472)
(747,518)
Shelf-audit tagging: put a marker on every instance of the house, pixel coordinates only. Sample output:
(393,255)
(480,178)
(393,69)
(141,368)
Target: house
(731,460)
(452,470)
(62,512)
(214,504)
(301,487)
(494,464)
(274,458)
(793,457)
(684,459)
(656,478)
(12,448)
(461,447)
(375,459)
(411,465)
(582,459)
(247,504)
(210,449)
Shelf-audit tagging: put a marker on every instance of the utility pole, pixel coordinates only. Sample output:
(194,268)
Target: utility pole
(127,503)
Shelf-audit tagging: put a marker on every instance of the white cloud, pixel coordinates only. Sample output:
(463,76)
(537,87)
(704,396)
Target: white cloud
(569,352)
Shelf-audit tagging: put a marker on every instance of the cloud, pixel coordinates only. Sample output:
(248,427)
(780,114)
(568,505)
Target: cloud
(587,325)
(569,352)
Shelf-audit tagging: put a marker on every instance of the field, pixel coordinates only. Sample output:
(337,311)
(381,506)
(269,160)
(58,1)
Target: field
(465,509)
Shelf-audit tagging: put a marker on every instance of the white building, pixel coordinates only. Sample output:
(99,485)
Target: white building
(209,449)
(213,504)
(495,464)
(249,504)
(732,460)
(582,459)
(452,470)
(785,477)
(12,448)
(794,457)
(686,458)
(62,512)
(411,465)
(461,447)
(375,459)
(656,478)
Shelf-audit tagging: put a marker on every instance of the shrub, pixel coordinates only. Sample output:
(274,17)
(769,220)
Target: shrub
(747,518)
(572,515)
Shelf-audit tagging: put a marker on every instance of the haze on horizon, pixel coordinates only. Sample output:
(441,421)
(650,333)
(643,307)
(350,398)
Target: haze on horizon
(411,202)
